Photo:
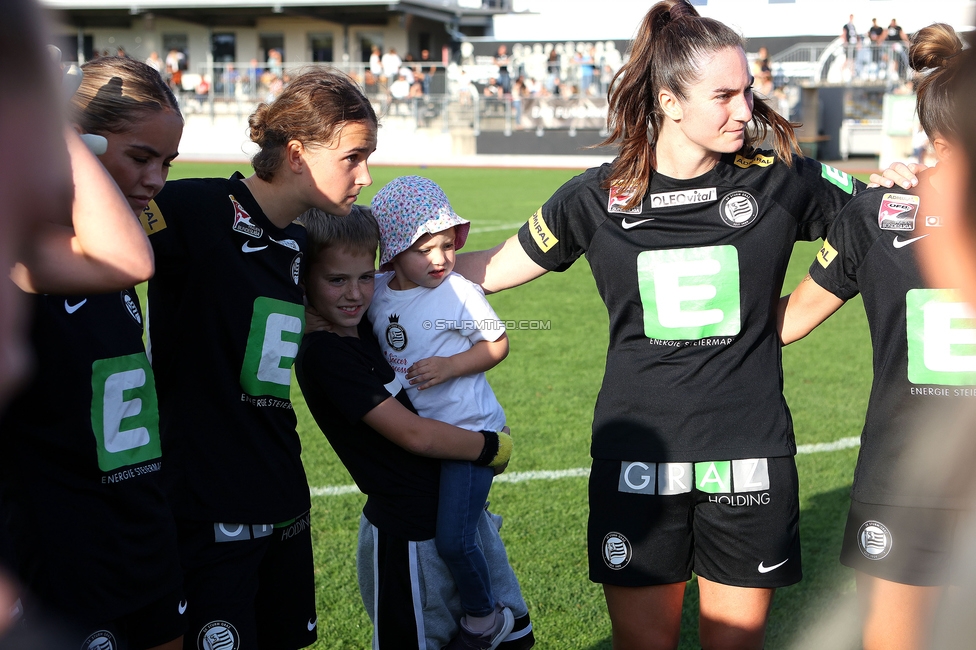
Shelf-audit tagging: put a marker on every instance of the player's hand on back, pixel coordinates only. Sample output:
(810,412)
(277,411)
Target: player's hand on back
(902,174)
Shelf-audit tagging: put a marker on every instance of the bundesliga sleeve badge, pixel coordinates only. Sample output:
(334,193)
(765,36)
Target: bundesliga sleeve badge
(897,212)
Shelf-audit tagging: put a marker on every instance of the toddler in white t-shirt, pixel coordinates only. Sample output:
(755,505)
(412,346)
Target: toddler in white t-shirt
(440,335)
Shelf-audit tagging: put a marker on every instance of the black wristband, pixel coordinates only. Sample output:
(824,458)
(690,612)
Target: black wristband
(489,451)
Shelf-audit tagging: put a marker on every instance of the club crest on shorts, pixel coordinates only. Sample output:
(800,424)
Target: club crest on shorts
(101,640)
(619,197)
(873,540)
(738,209)
(616,551)
(396,336)
(218,635)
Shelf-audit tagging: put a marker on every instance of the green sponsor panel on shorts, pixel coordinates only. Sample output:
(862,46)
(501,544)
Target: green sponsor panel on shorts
(941,338)
(124,411)
(689,294)
(714,477)
(272,344)
(843,180)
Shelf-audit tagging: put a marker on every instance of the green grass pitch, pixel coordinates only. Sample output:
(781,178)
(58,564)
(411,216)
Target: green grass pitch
(548,386)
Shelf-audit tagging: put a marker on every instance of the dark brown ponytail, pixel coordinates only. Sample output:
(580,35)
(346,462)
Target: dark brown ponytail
(670,42)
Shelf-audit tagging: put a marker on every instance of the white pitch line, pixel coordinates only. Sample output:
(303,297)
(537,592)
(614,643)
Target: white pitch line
(507,226)
(552,475)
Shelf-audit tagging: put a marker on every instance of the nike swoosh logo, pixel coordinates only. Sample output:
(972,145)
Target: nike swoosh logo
(247,248)
(181,607)
(901,243)
(73,308)
(632,224)
(312,623)
(767,569)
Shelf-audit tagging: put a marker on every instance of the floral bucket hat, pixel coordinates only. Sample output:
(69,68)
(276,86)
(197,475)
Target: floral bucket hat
(409,207)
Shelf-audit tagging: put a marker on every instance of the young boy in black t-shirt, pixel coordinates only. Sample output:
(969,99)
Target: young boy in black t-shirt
(355,398)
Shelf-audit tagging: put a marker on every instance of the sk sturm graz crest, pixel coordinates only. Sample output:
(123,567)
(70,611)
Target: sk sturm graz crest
(396,336)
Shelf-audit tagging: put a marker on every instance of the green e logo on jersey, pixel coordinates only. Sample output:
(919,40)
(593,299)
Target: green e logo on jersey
(689,293)
(125,416)
(941,338)
(841,179)
(272,344)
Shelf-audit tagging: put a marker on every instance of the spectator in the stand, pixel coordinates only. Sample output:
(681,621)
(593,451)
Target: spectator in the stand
(155,62)
(370,82)
(175,61)
(375,61)
(852,40)
(231,79)
(416,90)
(399,91)
(849,34)
(391,62)
(502,60)
(760,64)
(552,79)
(584,59)
(464,91)
(896,33)
(493,90)
(519,91)
(877,33)
(764,84)
(275,62)
(427,70)
(406,69)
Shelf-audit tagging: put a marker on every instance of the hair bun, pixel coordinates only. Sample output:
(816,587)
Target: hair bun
(933,47)
(258,124)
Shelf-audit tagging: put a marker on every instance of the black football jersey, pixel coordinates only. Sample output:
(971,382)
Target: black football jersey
(343,379)
(80,487)
(691,277)
(923,338)
(225,322)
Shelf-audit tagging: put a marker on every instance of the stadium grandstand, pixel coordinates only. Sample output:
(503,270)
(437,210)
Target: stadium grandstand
(454,77)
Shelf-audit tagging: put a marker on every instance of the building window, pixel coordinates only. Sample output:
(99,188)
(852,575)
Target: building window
(224,47)
(321,47)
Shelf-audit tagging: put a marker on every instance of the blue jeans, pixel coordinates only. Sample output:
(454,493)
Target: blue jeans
(460,506)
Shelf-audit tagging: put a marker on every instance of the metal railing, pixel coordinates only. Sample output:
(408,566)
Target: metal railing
(841,62)
(446,99)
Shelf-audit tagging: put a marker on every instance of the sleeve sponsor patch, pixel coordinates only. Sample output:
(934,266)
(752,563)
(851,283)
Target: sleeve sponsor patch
(152,219)
(843,180)
(897,212)
(758,160)
(543,237)
(827,254)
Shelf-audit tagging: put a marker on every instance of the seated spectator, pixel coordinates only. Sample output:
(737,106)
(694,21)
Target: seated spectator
(493,90)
